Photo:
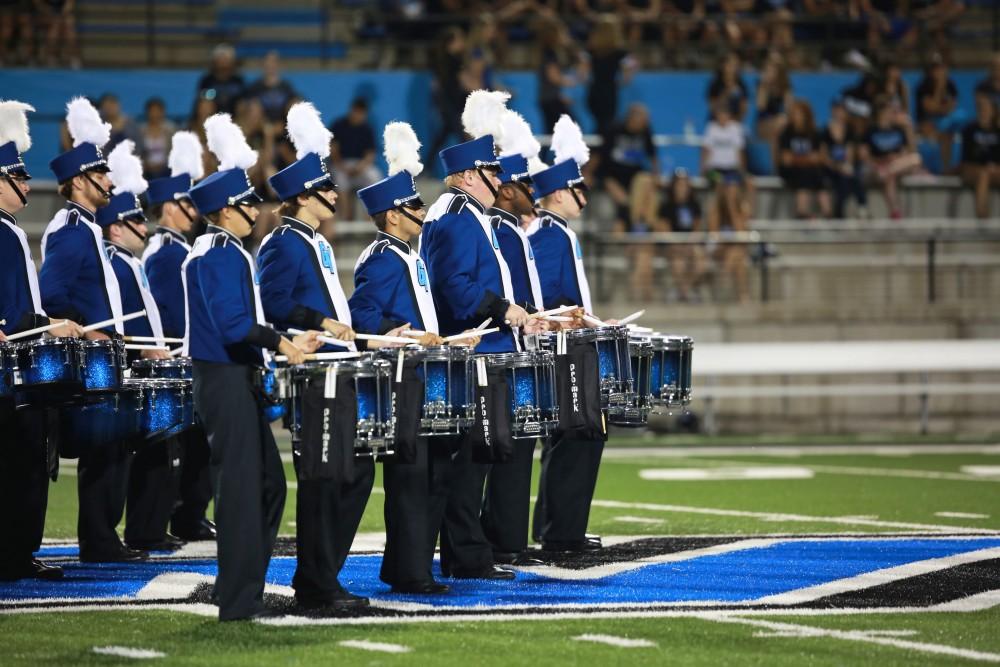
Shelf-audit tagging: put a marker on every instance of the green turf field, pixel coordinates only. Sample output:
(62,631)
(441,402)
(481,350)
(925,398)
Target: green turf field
(858,487)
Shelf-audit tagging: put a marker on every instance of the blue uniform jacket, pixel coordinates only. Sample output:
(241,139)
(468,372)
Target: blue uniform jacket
(163,270)
(465,276)
(129,289)
(16,306)
(72,277)
(513,254)
(555,258)
(384,295)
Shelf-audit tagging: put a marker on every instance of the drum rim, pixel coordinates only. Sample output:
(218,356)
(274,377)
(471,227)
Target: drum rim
(45,342)
(156,383)
(106,342)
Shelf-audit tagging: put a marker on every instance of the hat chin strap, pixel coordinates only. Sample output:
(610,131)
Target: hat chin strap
(104,193)
(17,190)
(493,190)
(184,211)
(128,225)
(576,198)
(323,201)
(402,209)
(250,221)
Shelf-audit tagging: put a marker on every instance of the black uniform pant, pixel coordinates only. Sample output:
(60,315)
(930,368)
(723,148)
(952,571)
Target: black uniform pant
(415,498)
(566,489)
(24,484)
(102,487)
(328,513)
(463,544)
(247,480)
(194,486)
(507,504)
(152,488)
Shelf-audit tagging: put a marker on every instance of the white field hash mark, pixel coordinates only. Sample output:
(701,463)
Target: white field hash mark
(128,652)
(382,647)
(961,515)
(620,642)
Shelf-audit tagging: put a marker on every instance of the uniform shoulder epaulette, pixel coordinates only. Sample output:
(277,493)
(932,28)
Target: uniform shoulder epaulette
(457,204)
(280,231)
(380,247)
(167,239)
(72,218)
(220,240)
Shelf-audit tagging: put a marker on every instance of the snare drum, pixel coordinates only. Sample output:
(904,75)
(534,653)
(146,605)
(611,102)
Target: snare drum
(161,406)
(8,365)
(614,364)
(671,370)
(48,363)
(531,380)
(174,369)
(637,413)
(102,419)
(448,391)
(103,364)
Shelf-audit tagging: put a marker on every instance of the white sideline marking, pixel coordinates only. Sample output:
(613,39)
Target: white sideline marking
(787,518)
(725,473)
(126,652)
(796,450)
(856,636)
(982,471)
(383,647)
(620,642)
(977,602)
(637,519)
(878,577)
(902,472)
(172,586)
(961,515)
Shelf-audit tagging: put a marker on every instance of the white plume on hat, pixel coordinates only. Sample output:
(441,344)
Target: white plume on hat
(185,155)
(85,124)
(483,111)
(126,169)
(226,141)
(402,149)
(14,124)
(517,139)
(307,132)
(568,143)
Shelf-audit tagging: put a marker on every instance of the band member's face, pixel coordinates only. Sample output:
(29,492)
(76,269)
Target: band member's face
(97,195)
(181,221)
(9,201)
(331,197)
(409,227)
(131,240)
(238,223)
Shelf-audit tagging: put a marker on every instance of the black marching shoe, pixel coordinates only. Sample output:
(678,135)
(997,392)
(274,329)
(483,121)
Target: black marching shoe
(123,555)
(422,588)
(490,572)
(520,559)
(30,569)
(577,546)
(594,539)
(204,530)
(345,600)
(168,543)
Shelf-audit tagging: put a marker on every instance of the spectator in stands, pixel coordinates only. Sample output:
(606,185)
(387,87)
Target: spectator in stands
(859,102)
(723,161)
(990,86)
(680,213)
(980,168)
(154,139)
(262,136)
(938,115)
(353,154)
(275,93)
(774,27)
(889,21)
(486,48)
(122,125)
(559,66)
(801,161)
(840,157)
(627,151)
(937,17)
(223,83)
(773,99)
(15,18)
(611,66)
(201,111)
(889,152)
(58,18)
(727,88)
(642,217)
(449,88)
(688,21)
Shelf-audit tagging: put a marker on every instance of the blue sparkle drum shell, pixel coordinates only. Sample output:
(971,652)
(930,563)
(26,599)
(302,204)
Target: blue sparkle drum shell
(162,406)
(49,363)
(614,363)
(448,391)
(173,369)
(636,414)
(103,364)
(675,377)
(531,390)
(99,420)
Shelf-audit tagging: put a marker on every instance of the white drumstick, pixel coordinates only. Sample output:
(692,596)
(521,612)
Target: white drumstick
(39,330)
(485,323)
(114,320)
(152,339)
(632,318)
(324,339)
(146,347)
(552,311)
(177,352)
(415,333)
(593,320)
(637,329)
(323,356)
(470,334)
(557,318)
(384,339)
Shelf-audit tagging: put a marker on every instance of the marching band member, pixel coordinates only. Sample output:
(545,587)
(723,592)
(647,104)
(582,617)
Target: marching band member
(300,288)
(507,504)
(228,340)
(78,282)
(150,494)
(470,281)
(24,456)
(170,204)
(392,290)
(569,467)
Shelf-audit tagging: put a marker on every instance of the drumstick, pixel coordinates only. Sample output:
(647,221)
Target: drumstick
(323,356)
(384,339)
(557,318)
(593,320)
(114,320)
(146,347)
(637,329)
(323,339)
(152,339)
(32,332)
(415,333)
(176,352)
(632,318)
(552,311)
(484,324)
(470,334)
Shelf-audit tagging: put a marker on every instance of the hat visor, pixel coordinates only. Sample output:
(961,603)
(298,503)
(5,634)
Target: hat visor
(101,168)
(250,198)
(414,204)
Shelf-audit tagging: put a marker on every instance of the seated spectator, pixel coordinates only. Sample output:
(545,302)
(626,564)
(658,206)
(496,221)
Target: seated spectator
(154,139)
(723,161)
(611,66)
(893,88)
(15,18)
(938,115)
(275,93)
(353,154)
(937,17)
(889,21)
(58,19)
(641,218)
(774,97)
(840,159)
(727,88)
(889,152)
(980,168)
(801,161)
(122,125)
(688,21)
(990,86)
(681,213)
(262,136)
(859,102)
(560,66)
(626,151)
(223,84)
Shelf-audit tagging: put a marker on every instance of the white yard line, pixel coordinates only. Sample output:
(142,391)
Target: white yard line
(796,450)
(983,471)
(961,515)
(723,473)
(977,602)
(381,647)
(128,652)
(620,642)
(856,636)
(638,519)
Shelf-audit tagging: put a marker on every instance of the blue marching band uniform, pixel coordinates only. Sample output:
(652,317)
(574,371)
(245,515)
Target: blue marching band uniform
(475,263)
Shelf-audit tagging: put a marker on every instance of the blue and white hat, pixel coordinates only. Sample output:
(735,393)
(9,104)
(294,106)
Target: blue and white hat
(230,186)
(469,155)
(186,167)
(128,185)
(402,153)
(14,138)
(312,147)
(571,153)
(89,134)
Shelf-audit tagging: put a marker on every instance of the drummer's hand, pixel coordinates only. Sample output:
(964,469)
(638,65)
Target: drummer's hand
(430,340)
(155,354)
(536,325)
(309,341)
(96,335)
(398,332)
(67,330)
(611,322)
(515,315)
(467,342)
(578,321)
(294,354)
(339,330)
(3,337)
